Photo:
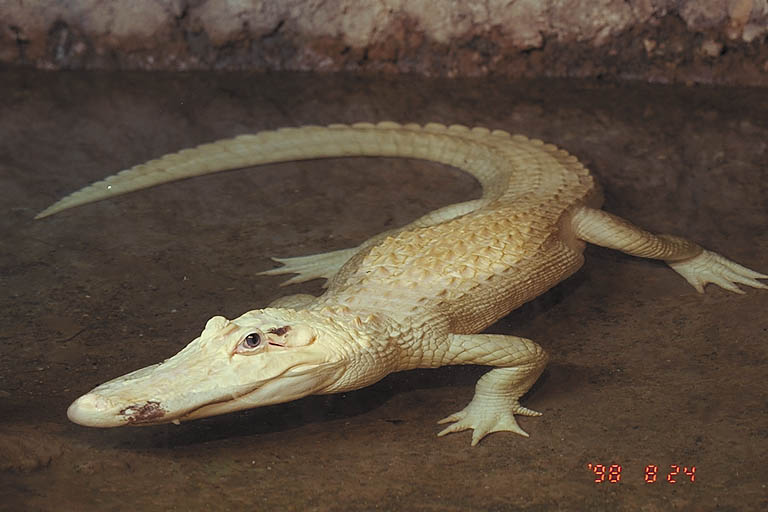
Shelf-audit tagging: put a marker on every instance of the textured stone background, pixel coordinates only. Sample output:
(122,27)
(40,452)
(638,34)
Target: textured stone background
(709,41)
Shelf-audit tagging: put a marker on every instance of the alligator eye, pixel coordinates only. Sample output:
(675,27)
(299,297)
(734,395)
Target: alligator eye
(253,340)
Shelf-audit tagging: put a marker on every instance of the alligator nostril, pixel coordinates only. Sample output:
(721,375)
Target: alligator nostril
(94,401)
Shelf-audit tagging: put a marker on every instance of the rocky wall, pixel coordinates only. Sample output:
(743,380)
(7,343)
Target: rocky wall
(708,41)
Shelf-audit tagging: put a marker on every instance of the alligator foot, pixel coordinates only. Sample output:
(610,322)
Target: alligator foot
(485,415)
(710,267)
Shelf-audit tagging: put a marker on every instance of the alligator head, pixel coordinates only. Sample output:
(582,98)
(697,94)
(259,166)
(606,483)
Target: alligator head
(264,357)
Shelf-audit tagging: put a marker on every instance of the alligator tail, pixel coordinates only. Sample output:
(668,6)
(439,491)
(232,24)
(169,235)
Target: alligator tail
(477,151)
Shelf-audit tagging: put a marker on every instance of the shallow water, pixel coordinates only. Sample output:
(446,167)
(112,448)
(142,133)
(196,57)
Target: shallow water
(643,369)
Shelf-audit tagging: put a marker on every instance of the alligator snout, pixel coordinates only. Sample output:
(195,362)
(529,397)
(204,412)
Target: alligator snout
(95,410)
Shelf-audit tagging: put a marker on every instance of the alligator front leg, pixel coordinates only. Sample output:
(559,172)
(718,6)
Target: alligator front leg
(497,393)
(326,265)
(323,265)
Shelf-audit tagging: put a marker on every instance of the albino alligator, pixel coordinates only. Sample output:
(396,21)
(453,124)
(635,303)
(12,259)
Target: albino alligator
(413,297)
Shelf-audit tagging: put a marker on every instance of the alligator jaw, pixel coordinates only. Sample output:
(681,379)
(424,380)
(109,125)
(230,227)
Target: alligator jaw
(97,409)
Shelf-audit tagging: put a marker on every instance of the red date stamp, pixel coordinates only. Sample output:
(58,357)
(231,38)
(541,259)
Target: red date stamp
(651,474)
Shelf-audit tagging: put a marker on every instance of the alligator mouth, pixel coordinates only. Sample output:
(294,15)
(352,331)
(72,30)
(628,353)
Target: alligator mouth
(95,410)
(117,403)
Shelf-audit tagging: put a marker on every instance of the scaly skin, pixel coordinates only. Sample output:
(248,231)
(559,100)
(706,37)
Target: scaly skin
(414,297)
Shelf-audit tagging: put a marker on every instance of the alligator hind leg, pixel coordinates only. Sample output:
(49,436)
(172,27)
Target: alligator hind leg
(697,265)
(497,393)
